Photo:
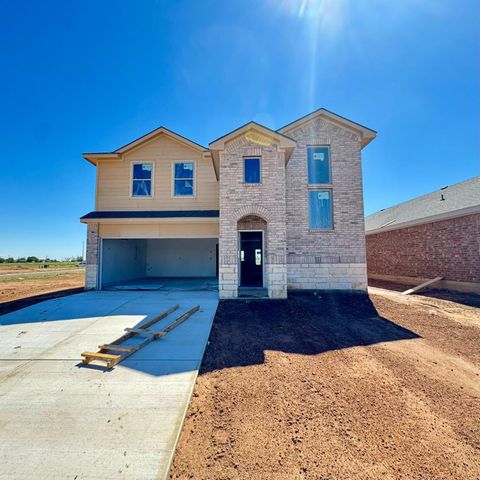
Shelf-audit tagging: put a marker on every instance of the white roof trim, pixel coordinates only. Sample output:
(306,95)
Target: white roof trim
(94,157)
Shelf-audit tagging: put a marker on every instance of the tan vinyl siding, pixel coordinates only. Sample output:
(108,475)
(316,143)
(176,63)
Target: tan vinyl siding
(114,179)
(161,230)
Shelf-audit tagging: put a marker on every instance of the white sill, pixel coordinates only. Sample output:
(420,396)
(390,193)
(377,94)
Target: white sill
(320,230)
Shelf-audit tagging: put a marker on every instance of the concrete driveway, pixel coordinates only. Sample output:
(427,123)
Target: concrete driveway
(60,420)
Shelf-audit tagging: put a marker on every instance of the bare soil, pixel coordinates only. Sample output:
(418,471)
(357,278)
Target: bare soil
(18,293)
(338,387)
(25,267)
(471,299)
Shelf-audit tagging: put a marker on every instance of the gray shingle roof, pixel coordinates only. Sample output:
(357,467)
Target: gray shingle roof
(445,201)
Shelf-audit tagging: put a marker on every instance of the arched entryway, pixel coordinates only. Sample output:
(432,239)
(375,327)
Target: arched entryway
(252,231)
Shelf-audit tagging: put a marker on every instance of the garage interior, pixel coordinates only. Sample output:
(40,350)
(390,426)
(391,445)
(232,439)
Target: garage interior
(132,262)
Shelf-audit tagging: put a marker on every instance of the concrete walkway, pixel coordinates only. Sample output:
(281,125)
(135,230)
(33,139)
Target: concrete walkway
(63,421)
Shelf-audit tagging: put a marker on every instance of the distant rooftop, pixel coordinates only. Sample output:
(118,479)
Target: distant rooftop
(446,202)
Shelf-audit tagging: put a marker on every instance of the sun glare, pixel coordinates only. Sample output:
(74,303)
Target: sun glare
(326,11)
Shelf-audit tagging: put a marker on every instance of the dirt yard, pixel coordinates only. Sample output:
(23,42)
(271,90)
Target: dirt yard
(337,387)
(19,292)
(26,267)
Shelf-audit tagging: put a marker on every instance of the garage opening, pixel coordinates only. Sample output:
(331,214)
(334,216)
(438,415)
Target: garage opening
(129,261)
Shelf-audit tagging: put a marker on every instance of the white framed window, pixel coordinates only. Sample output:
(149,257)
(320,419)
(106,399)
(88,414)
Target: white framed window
(320,209)
(183,179)
(142,178)
(318,165)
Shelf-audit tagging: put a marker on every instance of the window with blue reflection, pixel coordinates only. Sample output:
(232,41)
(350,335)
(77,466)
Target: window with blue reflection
(142,180)
(318,161)
(183,179)
(320,209)
(252,170)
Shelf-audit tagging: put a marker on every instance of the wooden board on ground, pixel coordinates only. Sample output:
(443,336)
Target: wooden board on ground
(112,359)
(422,285)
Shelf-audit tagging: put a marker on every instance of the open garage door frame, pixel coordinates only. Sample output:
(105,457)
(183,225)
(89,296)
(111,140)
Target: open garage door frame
(124,259)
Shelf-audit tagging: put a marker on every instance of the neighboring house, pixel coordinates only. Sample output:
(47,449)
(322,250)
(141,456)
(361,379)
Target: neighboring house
(258,208)
(436,235)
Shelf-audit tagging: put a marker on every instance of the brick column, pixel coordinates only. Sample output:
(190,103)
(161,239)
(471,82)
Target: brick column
(91,270)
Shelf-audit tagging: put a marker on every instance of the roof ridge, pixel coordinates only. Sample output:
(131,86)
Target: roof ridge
(477,177)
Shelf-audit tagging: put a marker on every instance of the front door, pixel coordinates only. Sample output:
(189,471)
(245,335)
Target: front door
(251,259)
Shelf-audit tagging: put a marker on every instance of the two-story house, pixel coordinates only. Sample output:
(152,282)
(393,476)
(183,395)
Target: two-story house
(258,208)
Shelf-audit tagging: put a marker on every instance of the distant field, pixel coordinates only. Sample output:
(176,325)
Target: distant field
(17,292)
(34,266)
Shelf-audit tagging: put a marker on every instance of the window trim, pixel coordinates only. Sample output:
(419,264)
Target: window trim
(329,165)
(320,229)
(152,180)
(194,190)
(251,157)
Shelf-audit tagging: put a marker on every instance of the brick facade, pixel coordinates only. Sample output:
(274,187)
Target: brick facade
(448,248)
(294,256)
(335,258)
(238,202)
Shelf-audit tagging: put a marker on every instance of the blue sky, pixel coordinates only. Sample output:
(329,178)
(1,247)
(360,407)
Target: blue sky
(89,75)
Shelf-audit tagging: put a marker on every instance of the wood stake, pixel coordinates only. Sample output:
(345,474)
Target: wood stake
(422,285)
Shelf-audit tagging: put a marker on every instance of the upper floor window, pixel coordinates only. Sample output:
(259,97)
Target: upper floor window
(183,179)
(318,160)
(251,170)
(320,209)
(142,179)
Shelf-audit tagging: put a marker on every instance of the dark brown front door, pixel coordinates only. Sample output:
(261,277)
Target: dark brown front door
(251,259)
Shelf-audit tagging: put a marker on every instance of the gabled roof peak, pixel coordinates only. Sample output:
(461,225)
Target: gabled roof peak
(93,157)
(280,135)
(158,131)
(366,134)
(252,125)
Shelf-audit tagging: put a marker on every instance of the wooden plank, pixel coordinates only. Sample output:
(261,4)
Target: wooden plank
(139,331)
(147,324)
(181,319)
(150,322)
(422,285)
(112,360)
(101,356)
(115,348)
(142,331)
(137,347)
